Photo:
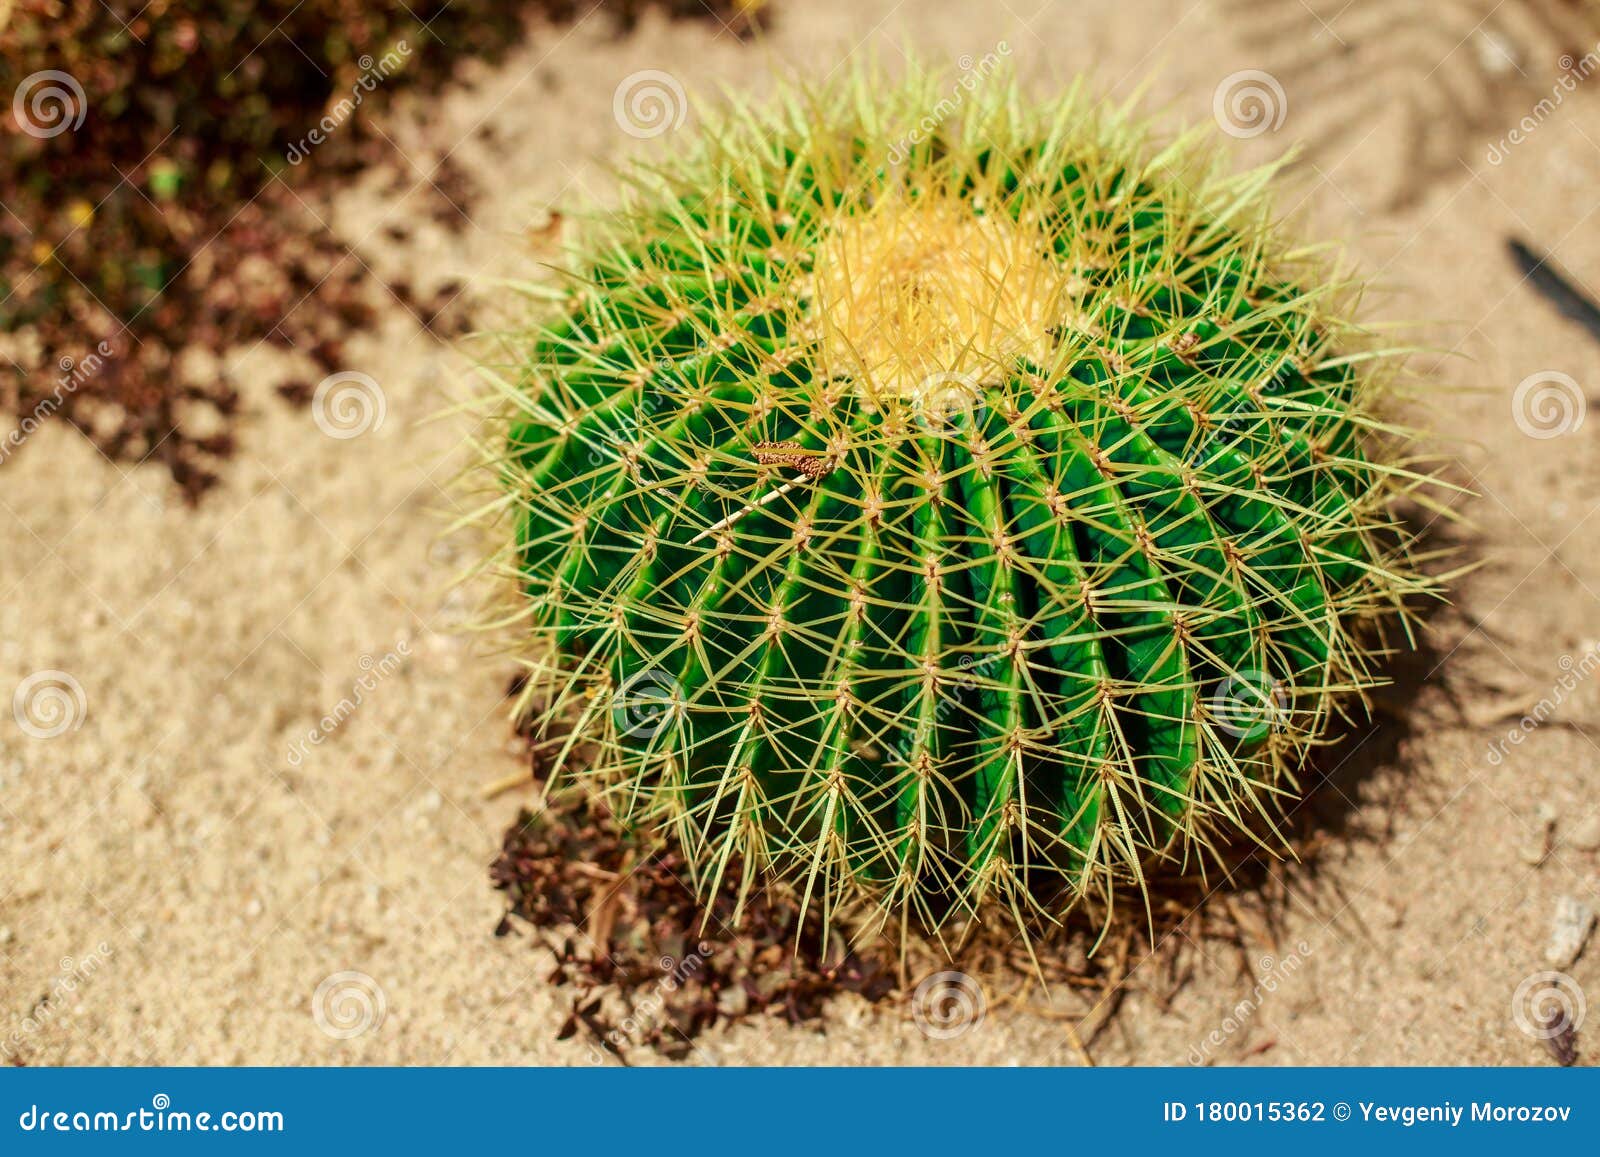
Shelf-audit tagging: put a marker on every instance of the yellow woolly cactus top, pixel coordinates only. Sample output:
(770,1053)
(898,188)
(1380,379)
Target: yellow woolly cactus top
(916,290)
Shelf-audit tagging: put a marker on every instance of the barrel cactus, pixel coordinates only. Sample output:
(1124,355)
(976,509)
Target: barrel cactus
(958,511)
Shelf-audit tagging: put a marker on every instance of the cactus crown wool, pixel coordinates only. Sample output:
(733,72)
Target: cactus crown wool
(960,520)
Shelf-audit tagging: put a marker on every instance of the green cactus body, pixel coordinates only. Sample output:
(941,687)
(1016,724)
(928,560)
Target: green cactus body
(986,517)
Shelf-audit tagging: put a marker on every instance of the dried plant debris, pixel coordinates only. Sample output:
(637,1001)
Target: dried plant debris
(647,967)
(1545,277)
(1549,1007)
(155,203)
(1562,1044)
(1461,73)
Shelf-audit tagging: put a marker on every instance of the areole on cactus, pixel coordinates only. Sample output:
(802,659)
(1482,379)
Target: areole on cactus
(970,522)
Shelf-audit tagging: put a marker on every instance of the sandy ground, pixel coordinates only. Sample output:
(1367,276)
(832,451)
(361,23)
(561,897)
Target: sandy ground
(177,878)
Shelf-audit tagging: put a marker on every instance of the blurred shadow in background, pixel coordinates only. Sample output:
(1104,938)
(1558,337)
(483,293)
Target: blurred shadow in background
(1446,73)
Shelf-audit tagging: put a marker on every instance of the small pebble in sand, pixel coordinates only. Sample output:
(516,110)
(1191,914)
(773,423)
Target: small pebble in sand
(1586,836)
(1387,913)
(733,1002)
(1537,850)
(1573,923)
(1497,55)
